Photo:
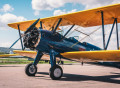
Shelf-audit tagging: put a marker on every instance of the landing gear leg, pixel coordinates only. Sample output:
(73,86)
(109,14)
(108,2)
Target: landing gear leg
(55,71)
(31,69)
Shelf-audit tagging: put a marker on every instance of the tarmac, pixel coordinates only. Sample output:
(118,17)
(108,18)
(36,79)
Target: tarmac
(75,76)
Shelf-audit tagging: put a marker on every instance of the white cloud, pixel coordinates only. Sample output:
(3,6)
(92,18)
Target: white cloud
(9,18)
(4,20)
(60,12)
(6,8)
(38,5)
(46,4)
(36,13)
(8,44)
(97,3)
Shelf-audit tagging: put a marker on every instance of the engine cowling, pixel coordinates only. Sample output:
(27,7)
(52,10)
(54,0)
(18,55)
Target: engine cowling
(31,38)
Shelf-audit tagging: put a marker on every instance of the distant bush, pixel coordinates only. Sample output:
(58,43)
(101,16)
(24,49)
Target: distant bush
(2,53)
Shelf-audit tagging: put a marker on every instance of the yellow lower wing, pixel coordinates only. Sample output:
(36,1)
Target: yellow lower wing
(105,55)
(8,55)
(31,54)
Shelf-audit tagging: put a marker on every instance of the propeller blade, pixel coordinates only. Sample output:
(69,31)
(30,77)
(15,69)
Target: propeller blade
(33,25)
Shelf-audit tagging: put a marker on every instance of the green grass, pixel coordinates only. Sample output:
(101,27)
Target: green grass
(16,61)
(22,61)
(2,53)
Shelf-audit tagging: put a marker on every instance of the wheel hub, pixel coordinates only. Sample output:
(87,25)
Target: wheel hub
(32,69)
(57,72)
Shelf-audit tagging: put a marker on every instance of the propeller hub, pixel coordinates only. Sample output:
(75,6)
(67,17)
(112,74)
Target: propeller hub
(31,38)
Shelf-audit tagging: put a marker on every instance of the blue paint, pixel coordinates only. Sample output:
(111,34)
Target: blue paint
(57,25)
(53,43)
(91,47)
(52,57)
(50,41)
(110,35)
(14,43)
(38,57)
(69,30)
(20,37)
(103,32)
(41,27)
(117,34)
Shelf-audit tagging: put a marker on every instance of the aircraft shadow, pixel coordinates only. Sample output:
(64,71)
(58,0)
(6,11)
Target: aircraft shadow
(76,77)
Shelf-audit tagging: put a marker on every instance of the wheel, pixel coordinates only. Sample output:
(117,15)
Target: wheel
(56,72)
(30,69)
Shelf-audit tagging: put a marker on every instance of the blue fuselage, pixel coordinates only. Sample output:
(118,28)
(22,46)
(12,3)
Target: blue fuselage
(55,41)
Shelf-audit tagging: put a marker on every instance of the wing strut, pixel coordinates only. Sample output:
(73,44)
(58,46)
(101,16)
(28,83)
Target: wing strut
(110,35)
(41,27)
(117,34)
(57,25)
(115,22)
(14,43)
(68,30)
(20,37)
(103,32)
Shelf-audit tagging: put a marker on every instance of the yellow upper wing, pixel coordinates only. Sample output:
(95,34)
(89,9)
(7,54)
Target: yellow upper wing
(105,55)
(84,18)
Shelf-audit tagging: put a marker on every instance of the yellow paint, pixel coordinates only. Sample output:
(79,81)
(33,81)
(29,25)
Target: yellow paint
(31,54)
(8,55)
(105,55)
(85,18)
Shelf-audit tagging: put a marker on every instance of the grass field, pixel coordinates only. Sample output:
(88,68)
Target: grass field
(2,53)
(22,61)
(16,61)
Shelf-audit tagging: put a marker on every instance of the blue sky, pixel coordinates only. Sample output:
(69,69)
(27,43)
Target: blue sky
(20,10)
(24,8)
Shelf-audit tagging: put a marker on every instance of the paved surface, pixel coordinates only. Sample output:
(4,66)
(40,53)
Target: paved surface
(75,76)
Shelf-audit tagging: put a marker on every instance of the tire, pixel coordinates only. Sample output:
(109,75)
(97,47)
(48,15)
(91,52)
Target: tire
(30,69)
(56,72)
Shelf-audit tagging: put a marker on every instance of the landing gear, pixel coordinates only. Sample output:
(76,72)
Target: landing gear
(60,62)
(56,72)
(30,69)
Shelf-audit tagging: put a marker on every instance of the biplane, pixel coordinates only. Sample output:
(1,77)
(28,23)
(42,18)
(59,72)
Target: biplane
(42,37)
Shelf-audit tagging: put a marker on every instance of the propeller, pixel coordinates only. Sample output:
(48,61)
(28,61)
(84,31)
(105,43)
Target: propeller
(23,35)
